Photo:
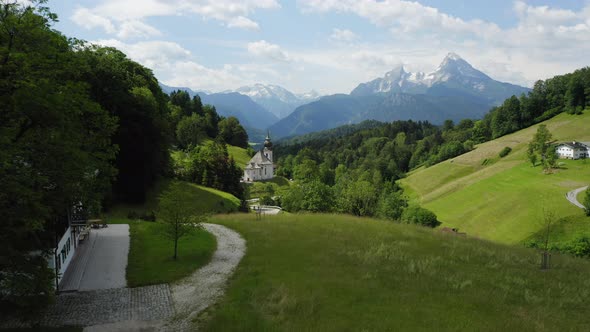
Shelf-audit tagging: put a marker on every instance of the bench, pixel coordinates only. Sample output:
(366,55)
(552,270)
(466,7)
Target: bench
(97,223)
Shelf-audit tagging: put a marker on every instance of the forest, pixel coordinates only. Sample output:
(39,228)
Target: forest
(83,125)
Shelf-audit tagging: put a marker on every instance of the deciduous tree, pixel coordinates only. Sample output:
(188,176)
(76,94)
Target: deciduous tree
(178,213)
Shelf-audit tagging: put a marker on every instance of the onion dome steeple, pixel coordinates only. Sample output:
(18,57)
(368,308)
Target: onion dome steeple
(267,142)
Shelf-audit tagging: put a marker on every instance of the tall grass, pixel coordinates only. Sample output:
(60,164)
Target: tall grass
(341,273)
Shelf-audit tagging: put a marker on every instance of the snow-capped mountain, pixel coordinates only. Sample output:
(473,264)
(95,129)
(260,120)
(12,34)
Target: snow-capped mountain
(455,91)
(277,99)
(453,76)
(309,96)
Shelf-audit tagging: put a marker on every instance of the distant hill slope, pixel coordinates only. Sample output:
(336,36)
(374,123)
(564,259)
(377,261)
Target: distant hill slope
(251,115)
(276,99)
(455,90)
(328,133)
(338,110)
(502,199)
(207,199)
(242,107)
(240,155)
(328,112)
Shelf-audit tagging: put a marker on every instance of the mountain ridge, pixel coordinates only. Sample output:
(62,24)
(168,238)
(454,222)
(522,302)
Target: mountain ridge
(455,91)
(276,99)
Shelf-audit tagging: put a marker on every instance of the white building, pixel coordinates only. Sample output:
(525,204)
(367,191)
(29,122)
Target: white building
(260,166)
(67,239)
(572,150)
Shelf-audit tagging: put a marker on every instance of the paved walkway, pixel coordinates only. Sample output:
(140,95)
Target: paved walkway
(150,303)
(572,197)
(151,308)
(100,261)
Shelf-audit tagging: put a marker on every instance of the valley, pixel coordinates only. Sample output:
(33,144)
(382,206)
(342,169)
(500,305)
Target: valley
(171,166)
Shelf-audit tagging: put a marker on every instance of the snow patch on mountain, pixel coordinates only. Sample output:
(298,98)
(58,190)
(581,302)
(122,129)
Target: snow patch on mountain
(277,99)
(453,72)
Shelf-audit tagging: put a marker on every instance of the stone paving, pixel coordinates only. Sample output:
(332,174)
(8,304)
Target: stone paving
(147,303)
(146,308)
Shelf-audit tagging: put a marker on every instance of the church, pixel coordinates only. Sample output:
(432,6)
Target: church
(260,166)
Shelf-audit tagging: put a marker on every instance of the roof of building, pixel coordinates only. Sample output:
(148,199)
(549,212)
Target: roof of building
(575,145)
(258,160)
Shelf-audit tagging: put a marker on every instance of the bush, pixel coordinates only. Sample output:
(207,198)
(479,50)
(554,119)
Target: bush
(505,151)
(419,216)
(579,247)
(148,216)
(132,215)
(267,200)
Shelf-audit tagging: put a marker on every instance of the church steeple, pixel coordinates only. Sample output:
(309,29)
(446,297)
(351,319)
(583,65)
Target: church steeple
(267,142)
(267,150)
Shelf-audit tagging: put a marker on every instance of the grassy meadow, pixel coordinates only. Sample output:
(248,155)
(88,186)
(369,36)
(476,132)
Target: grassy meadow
(150,254)
(240,155)
(278,183)
(342,273)
(503,199)
(206,199)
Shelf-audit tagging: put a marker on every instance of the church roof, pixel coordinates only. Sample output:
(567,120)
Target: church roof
(258,160)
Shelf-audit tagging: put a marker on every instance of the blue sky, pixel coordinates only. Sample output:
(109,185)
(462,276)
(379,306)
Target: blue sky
(332,45)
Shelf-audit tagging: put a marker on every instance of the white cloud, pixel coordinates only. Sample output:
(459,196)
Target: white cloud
(545,41)
(242,22)
(175,66)
(403,15)
(129,15)
(265,49)
(343,35)
(137,29)
(89,20)
(543,15)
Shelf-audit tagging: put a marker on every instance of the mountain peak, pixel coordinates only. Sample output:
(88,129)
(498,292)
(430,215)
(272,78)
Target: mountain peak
(453,56)
(455,66)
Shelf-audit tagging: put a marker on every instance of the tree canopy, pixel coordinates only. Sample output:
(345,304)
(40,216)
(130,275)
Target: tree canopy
(55,146)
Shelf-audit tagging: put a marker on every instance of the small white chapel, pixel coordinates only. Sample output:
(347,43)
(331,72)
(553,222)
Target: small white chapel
(260,166)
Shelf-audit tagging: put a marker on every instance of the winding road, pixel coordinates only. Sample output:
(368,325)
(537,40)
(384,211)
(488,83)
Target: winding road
(572,196)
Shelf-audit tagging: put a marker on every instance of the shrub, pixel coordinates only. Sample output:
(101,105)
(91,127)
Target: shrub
(132,215)
(267,200)
(148,216)
(505,151)
(419,216)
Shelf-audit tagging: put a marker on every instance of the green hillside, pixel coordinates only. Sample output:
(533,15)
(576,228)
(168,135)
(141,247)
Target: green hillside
(502,199)
(207,199)
(240,155)
(259,189)
(343,273)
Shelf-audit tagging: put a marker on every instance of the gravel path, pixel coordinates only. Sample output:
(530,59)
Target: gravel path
(572,196)
(203,288)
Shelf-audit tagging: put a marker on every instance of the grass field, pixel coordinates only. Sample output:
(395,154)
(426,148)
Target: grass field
(150,254)
(341,273)
(503,199)
(206,199)
(240,155)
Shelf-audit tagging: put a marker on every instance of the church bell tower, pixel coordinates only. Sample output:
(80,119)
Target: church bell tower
(267,151)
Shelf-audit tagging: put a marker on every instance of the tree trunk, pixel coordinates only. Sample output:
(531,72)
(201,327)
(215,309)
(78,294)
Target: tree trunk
(175,248)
